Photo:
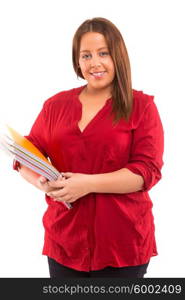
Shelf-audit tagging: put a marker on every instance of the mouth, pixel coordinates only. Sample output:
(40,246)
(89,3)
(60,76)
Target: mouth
(99,74)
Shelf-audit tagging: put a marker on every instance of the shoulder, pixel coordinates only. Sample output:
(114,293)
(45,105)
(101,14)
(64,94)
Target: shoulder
(61,99)
(142,102)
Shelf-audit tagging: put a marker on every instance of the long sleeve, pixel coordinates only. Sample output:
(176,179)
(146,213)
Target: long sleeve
(37,135)
(147,147)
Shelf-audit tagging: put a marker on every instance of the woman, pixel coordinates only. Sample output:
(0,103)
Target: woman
(107,140)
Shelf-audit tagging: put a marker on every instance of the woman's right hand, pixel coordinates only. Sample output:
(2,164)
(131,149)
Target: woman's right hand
(42,184)
(38,181)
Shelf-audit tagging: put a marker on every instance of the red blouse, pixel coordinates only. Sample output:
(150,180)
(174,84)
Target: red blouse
(101,229)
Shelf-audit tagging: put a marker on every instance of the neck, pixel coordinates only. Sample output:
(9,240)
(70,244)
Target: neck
(105,93)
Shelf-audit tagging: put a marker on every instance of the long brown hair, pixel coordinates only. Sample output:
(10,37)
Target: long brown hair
(122,85)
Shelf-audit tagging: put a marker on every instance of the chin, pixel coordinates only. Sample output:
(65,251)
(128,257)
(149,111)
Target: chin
(100,86)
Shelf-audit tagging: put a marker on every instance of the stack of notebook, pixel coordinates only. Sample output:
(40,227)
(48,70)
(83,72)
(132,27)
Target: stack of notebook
(27,154)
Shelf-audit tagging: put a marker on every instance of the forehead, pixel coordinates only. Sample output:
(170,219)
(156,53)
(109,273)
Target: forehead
(92,40)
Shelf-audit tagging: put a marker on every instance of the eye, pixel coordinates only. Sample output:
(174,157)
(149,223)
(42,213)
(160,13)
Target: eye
(104,53)
(86,56)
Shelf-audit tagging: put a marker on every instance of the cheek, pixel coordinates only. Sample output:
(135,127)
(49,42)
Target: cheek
(84,68)
(112,72)
(111,66)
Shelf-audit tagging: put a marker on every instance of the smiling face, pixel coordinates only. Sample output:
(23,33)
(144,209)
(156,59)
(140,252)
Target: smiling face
(95,62)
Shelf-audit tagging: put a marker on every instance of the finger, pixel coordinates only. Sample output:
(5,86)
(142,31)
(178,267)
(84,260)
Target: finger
(58,193)
(67,174)
(56,183)
(61,176)
(42,179)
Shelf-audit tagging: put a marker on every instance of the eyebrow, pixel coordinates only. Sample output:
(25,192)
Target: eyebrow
(98,49)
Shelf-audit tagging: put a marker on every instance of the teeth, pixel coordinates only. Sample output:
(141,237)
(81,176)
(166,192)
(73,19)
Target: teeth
(97,73)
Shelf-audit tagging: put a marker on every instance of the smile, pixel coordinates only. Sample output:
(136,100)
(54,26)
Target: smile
(98,74)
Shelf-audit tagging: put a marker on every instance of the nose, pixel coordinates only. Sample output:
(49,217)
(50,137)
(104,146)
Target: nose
(95,61)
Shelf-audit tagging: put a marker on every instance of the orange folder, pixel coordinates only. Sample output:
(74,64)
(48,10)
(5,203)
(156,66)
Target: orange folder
(25,143)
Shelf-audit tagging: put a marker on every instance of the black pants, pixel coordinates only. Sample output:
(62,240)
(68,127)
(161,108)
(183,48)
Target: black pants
(57,270)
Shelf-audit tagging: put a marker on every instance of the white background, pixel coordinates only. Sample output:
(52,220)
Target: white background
(35,63)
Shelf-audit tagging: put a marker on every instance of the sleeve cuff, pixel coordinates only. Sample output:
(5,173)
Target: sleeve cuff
(148,176)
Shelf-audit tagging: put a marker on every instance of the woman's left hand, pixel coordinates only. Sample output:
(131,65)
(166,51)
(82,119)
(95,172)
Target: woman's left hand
(70,188)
